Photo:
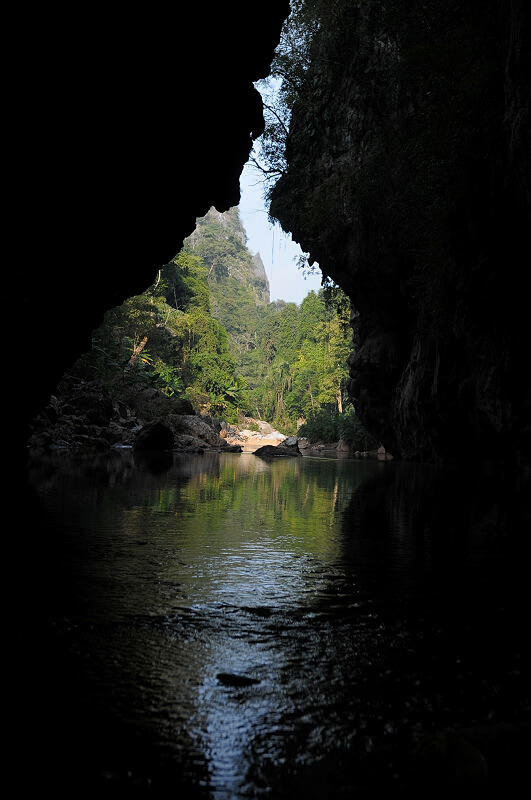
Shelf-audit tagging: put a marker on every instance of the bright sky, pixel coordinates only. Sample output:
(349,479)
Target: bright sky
(277,249)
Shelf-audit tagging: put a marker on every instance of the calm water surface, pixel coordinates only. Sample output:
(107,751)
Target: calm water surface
(231,627)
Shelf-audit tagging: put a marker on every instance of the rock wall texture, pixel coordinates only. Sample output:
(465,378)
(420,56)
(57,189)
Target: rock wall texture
(124,125)
(408,181)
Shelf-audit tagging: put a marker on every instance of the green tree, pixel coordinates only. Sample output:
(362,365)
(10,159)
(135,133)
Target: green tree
(167,339)
(300,360)
(183,283)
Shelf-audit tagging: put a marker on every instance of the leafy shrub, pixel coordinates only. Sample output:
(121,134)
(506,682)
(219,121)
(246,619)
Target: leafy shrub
(353,433)
(322,426)
(326,426)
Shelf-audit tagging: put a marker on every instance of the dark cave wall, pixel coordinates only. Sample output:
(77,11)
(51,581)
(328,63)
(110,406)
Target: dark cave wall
(125,126)
(408,181)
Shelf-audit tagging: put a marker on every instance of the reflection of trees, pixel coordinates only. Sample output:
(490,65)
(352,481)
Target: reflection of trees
(206,488)
(246,488)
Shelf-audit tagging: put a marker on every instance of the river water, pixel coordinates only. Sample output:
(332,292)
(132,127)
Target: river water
(223,626)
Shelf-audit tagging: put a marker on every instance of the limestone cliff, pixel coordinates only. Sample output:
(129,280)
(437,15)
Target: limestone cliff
(237,281)
(261,276)
(220,240)
(408,181)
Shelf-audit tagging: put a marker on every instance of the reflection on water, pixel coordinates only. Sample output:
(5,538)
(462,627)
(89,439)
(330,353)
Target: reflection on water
(237,627)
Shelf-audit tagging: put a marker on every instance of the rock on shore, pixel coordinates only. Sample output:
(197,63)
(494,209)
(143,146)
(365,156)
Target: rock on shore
(89,418)
(278,451)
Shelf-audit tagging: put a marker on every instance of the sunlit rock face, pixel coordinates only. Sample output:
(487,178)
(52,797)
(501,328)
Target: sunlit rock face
(126,127)
(408,181)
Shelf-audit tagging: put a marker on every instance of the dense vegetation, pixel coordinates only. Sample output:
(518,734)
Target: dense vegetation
(206,332)
(166,338)
(293,358)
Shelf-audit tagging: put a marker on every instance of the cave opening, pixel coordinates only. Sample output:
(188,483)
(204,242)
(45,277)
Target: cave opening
(395,593)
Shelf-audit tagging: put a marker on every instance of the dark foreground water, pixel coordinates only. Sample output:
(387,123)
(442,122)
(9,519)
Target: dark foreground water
(228,627)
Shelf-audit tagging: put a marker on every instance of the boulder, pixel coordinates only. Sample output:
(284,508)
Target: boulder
(198,427)
(192,444)
(215,424)
(270,451)
(89,418)
(155,436)
(291,441)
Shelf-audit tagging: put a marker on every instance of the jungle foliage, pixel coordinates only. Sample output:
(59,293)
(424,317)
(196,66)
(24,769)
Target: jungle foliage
(167,339)
(206,332)
(293,357)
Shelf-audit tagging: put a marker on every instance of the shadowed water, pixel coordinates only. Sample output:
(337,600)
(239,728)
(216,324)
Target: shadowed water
(236,627)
